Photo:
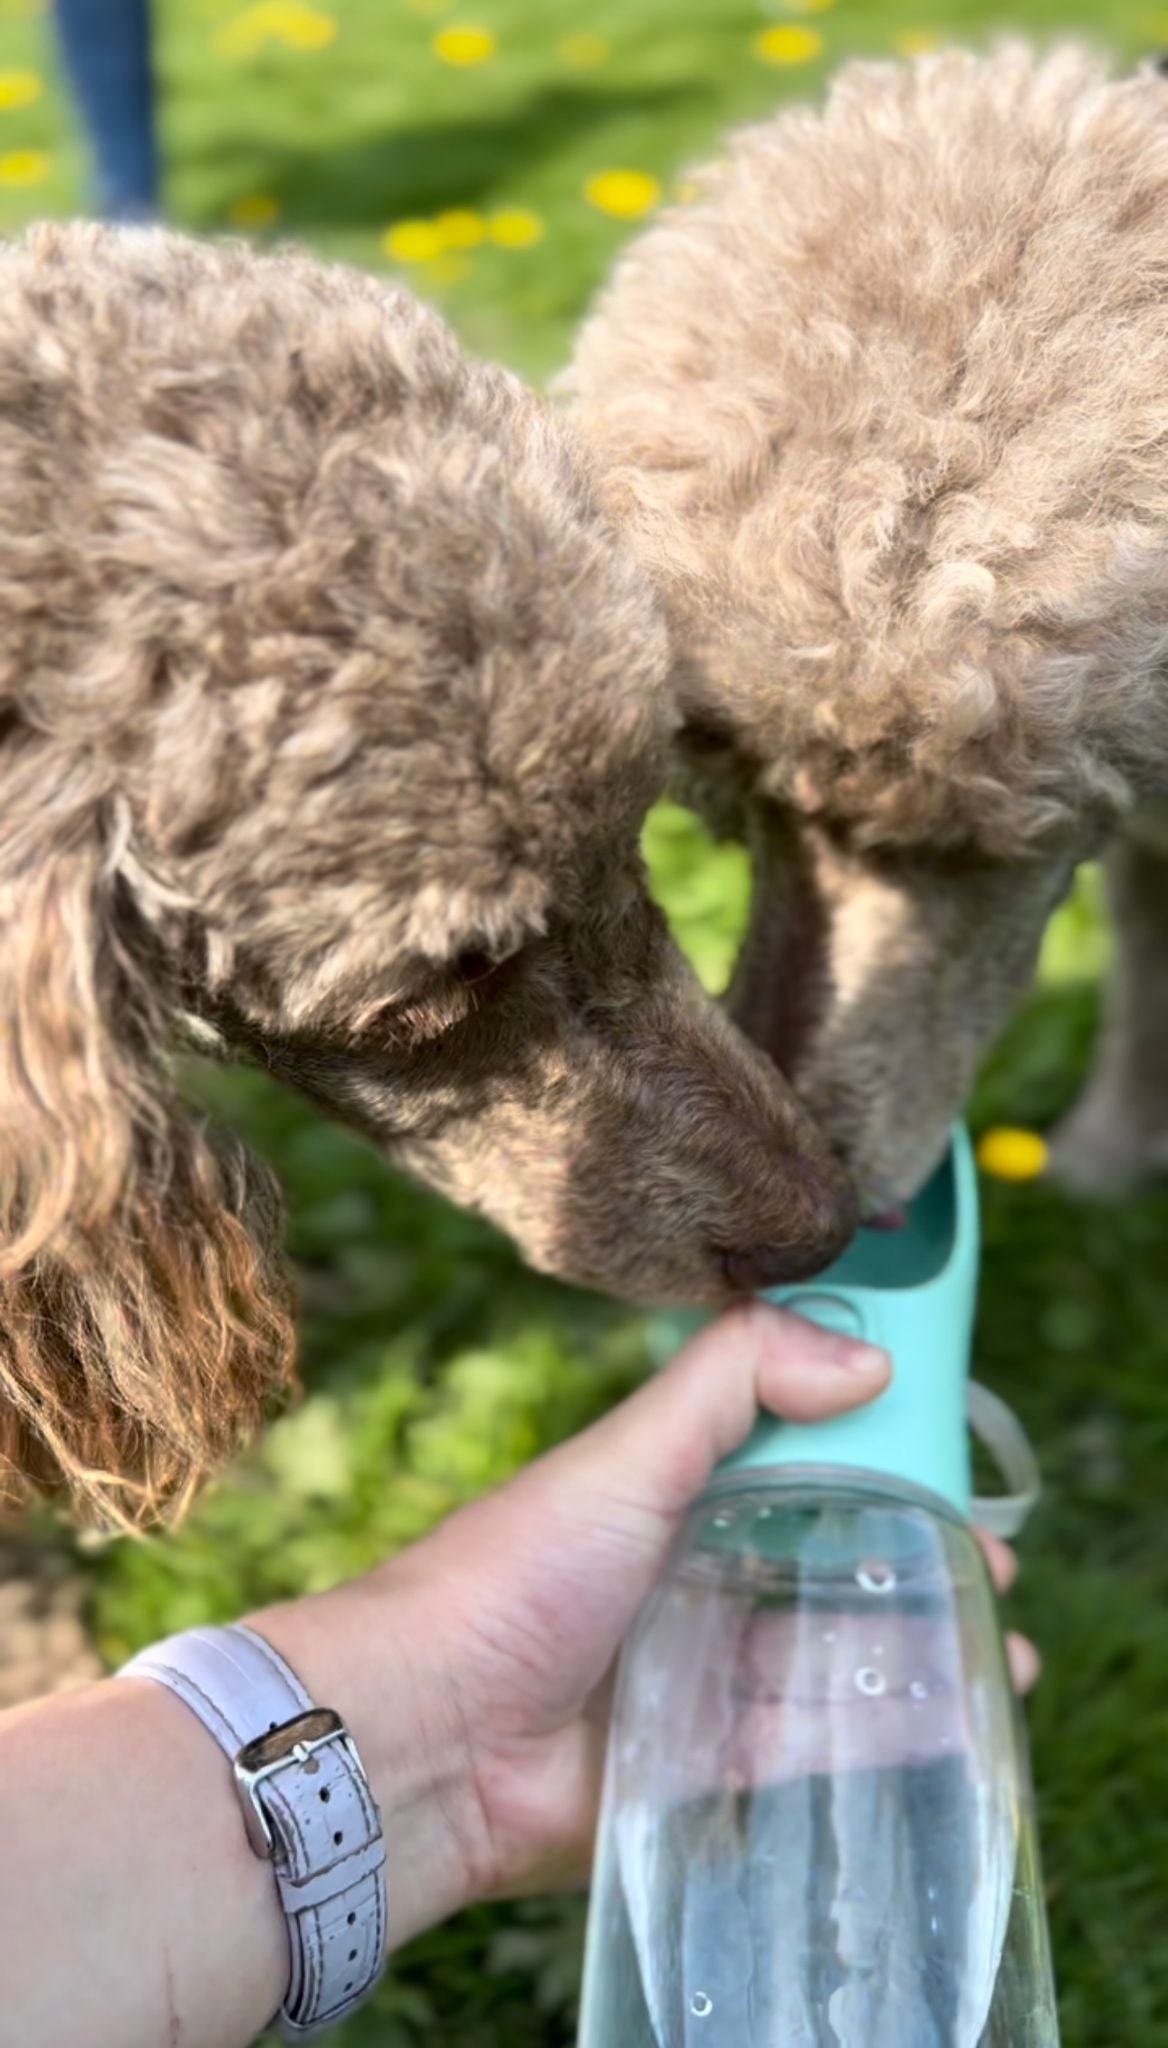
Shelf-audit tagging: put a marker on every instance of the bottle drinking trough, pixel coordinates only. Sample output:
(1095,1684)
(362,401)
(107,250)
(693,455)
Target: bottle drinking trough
(817,1829)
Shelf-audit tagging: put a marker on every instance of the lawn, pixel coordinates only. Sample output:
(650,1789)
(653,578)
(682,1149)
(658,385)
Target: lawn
(434,1364)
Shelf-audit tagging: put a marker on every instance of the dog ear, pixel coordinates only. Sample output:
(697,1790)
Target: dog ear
(145,1311)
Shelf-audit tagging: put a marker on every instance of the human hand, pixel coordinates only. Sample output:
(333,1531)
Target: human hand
(476,1668)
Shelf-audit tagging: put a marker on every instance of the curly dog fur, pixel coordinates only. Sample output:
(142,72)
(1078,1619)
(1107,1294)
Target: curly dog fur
(330,709)
(886,415)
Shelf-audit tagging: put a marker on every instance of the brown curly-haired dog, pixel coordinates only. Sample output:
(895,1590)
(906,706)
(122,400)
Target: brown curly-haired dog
(886,415)
(329,713)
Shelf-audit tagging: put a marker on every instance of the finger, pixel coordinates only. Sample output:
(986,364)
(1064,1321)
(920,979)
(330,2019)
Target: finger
(661,1446)
(1025,1663)
(1001,1560)
(806,1374)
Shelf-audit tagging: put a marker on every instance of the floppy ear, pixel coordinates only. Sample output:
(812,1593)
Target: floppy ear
(145,1311)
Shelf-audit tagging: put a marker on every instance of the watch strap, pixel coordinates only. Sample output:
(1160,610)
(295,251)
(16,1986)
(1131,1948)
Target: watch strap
(317,1810)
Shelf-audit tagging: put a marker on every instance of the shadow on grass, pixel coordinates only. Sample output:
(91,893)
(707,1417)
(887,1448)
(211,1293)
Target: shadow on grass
(420,170)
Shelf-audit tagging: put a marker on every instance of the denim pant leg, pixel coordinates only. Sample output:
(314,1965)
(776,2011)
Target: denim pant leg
(106,48)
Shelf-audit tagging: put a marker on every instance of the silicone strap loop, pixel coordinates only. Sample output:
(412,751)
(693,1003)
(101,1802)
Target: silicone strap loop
(999,1430)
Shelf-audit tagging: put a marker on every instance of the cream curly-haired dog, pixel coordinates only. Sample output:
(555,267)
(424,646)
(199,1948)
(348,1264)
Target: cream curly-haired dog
(886,415)
(330,710)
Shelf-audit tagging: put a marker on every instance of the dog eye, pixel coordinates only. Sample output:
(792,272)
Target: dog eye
(471,967)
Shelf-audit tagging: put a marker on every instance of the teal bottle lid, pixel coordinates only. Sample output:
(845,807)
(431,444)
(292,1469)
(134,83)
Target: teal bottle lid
(914,1292)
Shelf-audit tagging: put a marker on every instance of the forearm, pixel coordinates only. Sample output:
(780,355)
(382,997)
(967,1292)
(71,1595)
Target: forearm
(132,1910)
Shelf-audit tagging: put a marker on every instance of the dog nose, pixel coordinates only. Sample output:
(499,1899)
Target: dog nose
(772,1265)
(819,1225)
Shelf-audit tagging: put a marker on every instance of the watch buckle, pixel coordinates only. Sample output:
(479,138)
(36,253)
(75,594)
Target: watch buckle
(292,1745)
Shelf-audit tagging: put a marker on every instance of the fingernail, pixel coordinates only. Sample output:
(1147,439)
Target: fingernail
(866,1359)
(1025,1663)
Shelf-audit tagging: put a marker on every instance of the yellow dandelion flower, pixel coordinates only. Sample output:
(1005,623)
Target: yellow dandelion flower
(413,241)
(19,89)
(24,167)
(791,45)
(624,194)
(290,22)
(309,30)
(254,210)
(460,228)
(516,227)
(916,42)
(584,51)
(1012,1155)
(464,46)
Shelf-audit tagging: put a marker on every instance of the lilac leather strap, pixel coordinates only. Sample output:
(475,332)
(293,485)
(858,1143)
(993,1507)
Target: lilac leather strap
(312,1811)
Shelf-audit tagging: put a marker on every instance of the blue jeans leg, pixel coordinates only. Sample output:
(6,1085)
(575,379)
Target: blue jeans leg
(106,48)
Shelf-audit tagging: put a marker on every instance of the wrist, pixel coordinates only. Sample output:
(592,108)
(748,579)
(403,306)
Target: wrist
(371,1650)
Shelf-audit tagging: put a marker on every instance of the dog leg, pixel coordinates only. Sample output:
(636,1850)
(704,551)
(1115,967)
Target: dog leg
(1115,1139)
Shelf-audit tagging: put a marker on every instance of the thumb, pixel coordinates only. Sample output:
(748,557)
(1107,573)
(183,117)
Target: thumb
(659,1448)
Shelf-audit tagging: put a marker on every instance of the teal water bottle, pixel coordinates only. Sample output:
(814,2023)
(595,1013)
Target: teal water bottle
(817,1828)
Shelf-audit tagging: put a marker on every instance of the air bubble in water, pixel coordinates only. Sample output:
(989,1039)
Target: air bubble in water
(871,1683)
(829,1635)
(876,1578)
(723,1522)
(701,2006)
(918,1689)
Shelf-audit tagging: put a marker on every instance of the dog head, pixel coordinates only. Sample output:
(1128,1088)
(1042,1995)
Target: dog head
(330,713)
(885,414)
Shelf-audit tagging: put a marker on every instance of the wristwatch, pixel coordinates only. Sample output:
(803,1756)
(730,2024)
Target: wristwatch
(307,1809)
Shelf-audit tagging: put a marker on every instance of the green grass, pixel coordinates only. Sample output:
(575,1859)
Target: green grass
(435,1365)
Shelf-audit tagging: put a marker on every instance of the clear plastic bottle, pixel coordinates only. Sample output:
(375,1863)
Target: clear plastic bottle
(817,1828)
